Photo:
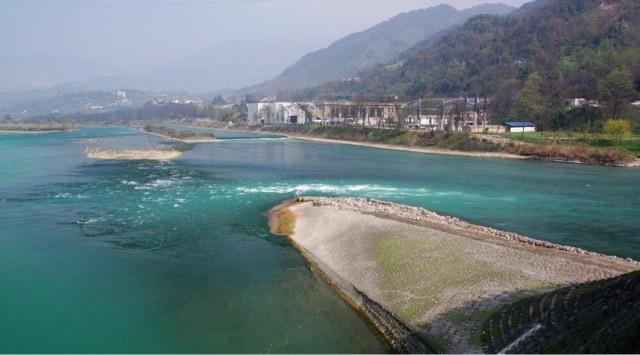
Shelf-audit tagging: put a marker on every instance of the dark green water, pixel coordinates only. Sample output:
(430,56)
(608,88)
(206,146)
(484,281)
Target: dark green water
(177,257)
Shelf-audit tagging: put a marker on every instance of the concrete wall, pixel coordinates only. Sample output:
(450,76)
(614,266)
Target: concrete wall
(486,129)
(520,129)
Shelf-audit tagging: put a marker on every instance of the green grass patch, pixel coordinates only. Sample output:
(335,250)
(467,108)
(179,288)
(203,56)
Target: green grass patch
(429,269)
(593,140)
(439,344)
(178,134)
(459,317)
(182,147)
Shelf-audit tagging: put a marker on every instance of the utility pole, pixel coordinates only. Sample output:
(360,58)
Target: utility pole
(419,115)
(441,125)
(486,114)
(477,109)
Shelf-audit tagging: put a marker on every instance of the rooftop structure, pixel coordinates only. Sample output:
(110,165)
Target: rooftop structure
(520,126)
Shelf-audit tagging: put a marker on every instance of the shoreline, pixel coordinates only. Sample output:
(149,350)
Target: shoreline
(443,151)
(436,151)
(39,132)
(422,150)
(398,328)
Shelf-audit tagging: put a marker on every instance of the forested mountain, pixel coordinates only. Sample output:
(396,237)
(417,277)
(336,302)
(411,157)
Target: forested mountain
(378,44)
(528,62)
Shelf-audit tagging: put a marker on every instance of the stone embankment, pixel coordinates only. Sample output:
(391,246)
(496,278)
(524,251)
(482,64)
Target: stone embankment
(424,216)
(396,333)
(427,281)
(598,317)
(401,337)
(132,154)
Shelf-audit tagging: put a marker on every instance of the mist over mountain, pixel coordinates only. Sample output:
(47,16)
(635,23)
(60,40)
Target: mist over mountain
(378,44)
(29,71)
(236,63)
(223,66)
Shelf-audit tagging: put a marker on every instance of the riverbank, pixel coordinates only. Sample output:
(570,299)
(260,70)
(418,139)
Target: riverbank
(439,151)
(457,144)
(133,154)
(37,128)
(182,136)
(438,276)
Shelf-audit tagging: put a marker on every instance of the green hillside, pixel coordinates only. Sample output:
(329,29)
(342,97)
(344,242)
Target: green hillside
(528,62)
(378,44)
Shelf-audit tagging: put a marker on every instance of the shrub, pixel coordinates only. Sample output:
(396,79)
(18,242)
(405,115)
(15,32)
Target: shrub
(286,222)
(580,153)
(617,128)
(176,134)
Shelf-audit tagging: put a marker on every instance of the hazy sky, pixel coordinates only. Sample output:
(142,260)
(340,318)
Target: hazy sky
(131,35)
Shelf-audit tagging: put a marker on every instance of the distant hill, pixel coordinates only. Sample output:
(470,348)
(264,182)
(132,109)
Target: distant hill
(527,62)
(27,104)
(378,44)
(38,70)
(228,65)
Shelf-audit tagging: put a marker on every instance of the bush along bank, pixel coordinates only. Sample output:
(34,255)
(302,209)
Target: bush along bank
(460,141)
(179,135)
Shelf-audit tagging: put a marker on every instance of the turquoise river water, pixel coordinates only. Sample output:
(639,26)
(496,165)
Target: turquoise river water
(176,257)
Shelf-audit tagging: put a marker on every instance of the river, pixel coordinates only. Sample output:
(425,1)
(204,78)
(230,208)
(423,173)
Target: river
(140,256)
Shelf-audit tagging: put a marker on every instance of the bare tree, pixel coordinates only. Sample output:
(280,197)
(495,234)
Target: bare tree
(265,113)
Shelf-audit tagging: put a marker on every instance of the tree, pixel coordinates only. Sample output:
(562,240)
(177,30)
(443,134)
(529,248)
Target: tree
(616,89)
(265,113)
(455,76)
(528,103)
(617,128)
(218,100)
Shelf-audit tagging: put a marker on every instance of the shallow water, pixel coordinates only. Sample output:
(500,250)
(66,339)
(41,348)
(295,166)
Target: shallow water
(177,256)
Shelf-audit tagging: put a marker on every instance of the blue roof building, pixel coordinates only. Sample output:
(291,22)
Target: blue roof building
(520,126)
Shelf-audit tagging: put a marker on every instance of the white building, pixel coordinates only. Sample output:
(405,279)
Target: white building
(275,113)
(120,94)
(579,102)
(576,102)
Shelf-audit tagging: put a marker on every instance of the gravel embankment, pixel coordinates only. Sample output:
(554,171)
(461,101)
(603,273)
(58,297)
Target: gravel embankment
(438,275)
(132,154)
